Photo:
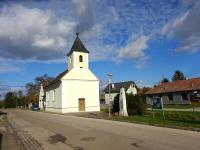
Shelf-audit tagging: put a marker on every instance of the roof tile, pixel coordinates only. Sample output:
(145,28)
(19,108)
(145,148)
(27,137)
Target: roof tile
(177,86)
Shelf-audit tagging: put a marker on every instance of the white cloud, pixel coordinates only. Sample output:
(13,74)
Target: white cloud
(135,49)
(8,66)
(185,29)
(45,42)
(35,32)
(142,83)
(29,33)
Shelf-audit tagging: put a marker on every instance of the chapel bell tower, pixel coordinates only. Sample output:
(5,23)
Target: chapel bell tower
(78,56)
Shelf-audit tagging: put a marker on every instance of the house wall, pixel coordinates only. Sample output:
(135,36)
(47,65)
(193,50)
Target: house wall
(112,95)
(177,98)
(130,90)
(54,105)
(74,89)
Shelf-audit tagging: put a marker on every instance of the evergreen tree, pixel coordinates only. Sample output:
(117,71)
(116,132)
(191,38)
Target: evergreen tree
(178,75)
(164,80)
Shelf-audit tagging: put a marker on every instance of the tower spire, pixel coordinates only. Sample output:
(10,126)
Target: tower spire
(78,46)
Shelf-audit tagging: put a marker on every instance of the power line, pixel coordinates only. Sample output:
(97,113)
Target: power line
(12,86)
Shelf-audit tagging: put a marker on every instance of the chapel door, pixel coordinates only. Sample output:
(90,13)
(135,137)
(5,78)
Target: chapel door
(81,104)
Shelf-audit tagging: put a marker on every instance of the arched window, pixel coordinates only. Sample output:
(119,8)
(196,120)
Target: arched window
(80,58)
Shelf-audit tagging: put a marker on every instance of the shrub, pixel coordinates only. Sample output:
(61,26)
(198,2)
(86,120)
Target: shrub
(135,104)
(115,106)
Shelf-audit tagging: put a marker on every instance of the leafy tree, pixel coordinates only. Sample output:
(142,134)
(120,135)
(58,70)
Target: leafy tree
(164,80)
(45,79)
(34,88)
(2,104)
(21,99)
(10,100)
(178,75)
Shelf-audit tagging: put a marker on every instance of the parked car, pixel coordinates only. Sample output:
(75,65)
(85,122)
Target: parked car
(35,108)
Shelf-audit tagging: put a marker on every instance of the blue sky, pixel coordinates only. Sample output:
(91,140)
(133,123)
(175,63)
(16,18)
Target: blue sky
(139,40)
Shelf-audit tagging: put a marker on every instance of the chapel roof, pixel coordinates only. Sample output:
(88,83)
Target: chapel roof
(57,79)
(78,46)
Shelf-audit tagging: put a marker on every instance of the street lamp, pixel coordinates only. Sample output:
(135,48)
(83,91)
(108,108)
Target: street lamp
(109,84)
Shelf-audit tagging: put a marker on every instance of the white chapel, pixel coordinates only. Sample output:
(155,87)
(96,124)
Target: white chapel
(77,88)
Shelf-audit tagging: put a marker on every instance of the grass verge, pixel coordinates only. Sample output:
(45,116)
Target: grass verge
(183,120)
(186,106)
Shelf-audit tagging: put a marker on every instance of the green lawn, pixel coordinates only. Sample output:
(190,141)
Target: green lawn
(176,106)
(186,120)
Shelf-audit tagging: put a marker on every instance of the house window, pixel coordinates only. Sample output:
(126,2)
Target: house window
(80,58)
(53,95)
(184,96)
(170,97)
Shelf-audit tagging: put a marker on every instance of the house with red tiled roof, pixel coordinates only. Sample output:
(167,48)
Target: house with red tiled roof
(178,92)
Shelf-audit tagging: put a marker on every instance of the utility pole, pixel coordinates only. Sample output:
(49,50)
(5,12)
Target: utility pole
(109,85)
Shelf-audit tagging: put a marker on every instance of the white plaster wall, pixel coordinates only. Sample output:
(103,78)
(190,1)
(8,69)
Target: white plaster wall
(113,95)
(41,94)
(74,89)
(80,73)
(79,82)
(132,90)
(57,103)
(74,63)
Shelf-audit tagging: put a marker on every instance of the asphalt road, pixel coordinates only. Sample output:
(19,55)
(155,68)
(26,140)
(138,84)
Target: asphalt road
(95,134)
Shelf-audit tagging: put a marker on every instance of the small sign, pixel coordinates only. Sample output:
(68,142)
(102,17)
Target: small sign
(157,103)
(195,99)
